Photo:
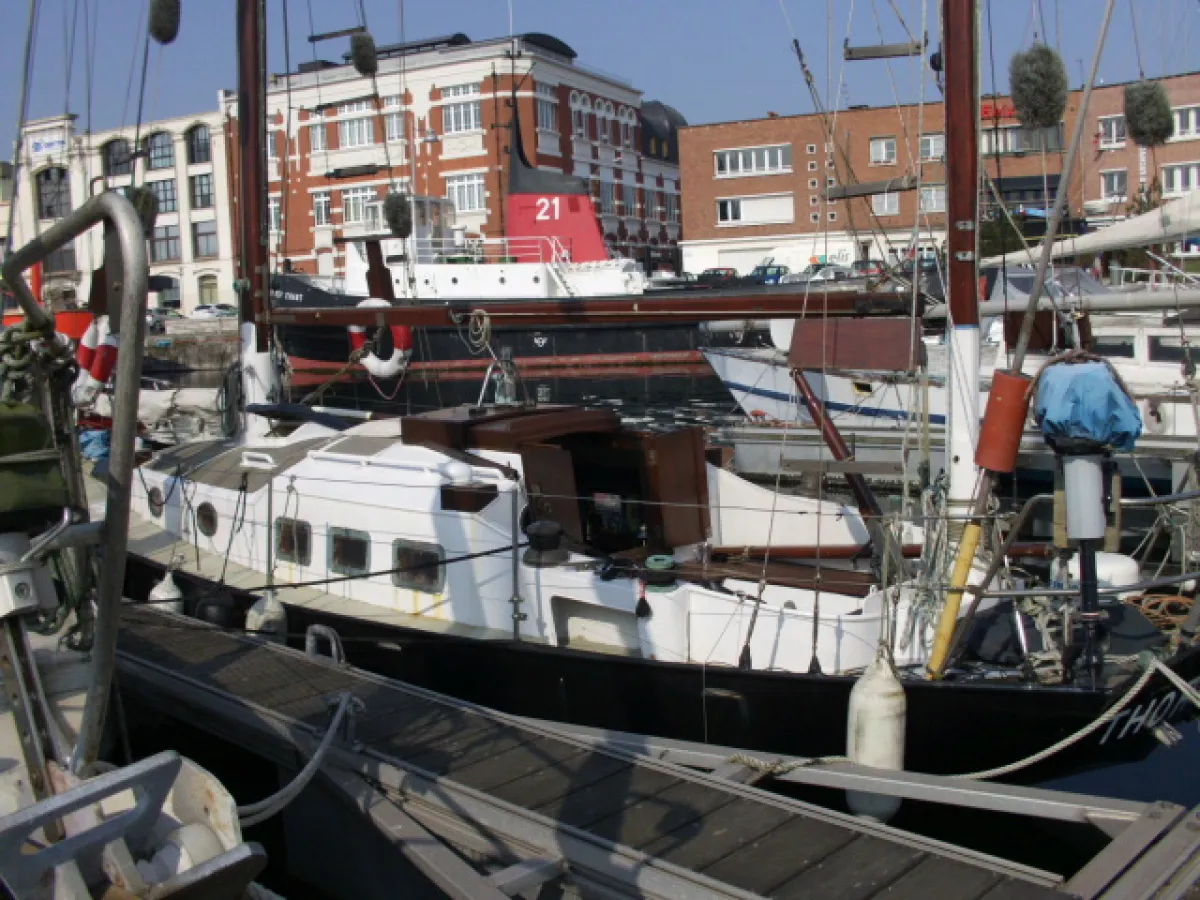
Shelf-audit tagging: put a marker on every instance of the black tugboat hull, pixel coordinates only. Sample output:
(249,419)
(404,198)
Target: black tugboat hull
(952,727)
(632,363)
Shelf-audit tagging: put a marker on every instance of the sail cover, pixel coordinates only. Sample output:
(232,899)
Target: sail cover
(1175,220)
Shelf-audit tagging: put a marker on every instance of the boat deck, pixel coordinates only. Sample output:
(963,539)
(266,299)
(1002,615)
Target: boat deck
(527,804)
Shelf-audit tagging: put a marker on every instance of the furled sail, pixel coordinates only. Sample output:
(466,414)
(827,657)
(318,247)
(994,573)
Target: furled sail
(1175,220)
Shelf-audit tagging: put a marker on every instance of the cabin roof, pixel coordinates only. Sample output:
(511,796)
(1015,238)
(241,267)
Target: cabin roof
(503,428)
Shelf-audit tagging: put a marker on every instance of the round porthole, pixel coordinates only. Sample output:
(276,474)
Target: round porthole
(154,499)
(206,519)
(454,281)
(503,280)
(537,279)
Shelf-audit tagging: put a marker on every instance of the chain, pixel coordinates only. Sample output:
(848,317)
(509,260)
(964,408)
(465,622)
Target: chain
(26,352)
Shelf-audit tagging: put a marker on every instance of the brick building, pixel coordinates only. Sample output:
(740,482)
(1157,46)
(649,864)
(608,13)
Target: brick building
(755,189)
(436,123)
(183,160)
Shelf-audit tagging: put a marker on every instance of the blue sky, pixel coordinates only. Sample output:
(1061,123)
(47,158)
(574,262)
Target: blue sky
(714,60)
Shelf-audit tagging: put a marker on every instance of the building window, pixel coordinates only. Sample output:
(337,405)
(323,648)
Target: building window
(547,107)
(208,290)
(627,134)
(653,207)
(812,165)
(160,150)
(885,204)
(815,218)
(1180,179)
(199,145)
(393,122)
(832,216)
(933,147)
(117,160)
(321,208)
(629,198)
(933,198)
(61,260)
(812,184)
(1114,185)
(204,239)
(1187,122)
(607,205)
(355,202)
(54,193)
(168,297)
(418,566)
(274,215)
(202,191)
(462,115)
(316,138)
(1018,139)
(164,191)
(672,207)
(812,149)
(349,551)
(165,243)
(467,192)
(814,201)
(1112,132)
(579,123)
(293,541)
(883,151)
(729,211)
(272,145)
(356,133)
(755,160)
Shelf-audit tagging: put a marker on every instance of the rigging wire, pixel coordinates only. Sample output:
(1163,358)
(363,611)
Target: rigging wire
(285,167)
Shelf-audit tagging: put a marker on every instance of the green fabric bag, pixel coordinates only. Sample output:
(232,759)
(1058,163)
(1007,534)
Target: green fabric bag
(33,491)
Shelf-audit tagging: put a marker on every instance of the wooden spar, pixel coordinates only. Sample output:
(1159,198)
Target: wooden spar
(864,497)
(252,255)
(962,160)
(698,307)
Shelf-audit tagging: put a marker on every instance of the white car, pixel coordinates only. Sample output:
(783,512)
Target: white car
(214,311)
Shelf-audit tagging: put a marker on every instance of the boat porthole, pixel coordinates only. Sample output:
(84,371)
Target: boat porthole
(502,280)
(537,279)
(206,519)
(154,499)
(454,281)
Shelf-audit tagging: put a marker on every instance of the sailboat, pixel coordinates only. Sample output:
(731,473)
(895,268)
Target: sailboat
(553,562)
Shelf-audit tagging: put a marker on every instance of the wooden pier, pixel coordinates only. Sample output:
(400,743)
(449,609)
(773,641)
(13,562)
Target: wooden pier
(488,805)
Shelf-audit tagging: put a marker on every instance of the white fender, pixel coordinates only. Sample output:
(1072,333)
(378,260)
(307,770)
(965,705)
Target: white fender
(875,733)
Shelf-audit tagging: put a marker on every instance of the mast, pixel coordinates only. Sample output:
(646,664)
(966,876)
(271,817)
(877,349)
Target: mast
(962,213)
(252,252)
(259,376)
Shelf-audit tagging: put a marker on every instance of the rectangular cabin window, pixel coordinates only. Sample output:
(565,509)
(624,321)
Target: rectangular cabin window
(1167,349)
(293,541)
(349,551)
(1114,345)
(418,566)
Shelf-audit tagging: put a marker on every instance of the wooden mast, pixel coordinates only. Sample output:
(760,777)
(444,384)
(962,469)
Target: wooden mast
(962,214)
(251,104)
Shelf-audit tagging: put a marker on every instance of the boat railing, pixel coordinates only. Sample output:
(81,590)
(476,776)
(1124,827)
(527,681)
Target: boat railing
(457,250)
(1151,279)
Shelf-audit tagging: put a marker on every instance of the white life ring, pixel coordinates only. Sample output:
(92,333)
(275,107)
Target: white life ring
(401,344)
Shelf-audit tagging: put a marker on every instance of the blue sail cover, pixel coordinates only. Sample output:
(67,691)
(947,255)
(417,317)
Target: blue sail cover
(1083,402)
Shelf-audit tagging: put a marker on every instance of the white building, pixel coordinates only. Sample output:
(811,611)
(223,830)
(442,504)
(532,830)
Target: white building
(183,160)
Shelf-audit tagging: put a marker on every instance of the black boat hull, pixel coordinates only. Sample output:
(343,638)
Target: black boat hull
(953,727)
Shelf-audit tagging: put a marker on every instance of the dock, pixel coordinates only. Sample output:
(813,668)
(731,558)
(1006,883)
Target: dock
(483,804)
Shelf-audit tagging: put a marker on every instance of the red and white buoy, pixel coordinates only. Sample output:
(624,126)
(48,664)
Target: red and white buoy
(97,356)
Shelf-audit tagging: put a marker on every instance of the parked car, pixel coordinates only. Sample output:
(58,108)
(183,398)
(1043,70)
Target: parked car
(214,311)
(818,273)
(717,277)
(156,319)
(768,274)
(867,268)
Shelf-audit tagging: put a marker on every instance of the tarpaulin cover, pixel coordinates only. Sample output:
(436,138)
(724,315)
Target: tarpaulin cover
(1083,402)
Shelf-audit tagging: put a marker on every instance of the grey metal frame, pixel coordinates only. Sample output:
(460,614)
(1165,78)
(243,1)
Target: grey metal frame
(129,243)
